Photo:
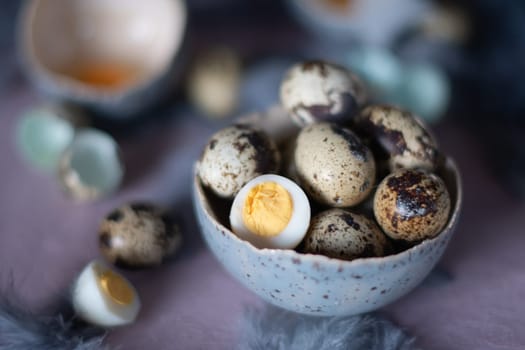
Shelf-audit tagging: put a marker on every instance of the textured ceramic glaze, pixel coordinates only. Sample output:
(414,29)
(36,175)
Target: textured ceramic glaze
(318,285)
(115,56)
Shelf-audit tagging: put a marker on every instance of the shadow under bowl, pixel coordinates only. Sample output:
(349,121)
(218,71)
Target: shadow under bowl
(315,284)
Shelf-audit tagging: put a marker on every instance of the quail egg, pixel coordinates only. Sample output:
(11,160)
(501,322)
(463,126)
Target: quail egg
(138,235)
(401,136)
(411,205)
(234,156)
(270,211)
(213,84)
(333,165)
(341,234)
(317,91)
(103,297)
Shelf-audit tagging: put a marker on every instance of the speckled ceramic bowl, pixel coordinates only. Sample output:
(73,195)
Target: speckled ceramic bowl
(113,56)
(315,284)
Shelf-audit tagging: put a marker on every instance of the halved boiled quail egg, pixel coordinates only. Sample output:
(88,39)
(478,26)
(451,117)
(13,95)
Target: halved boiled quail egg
(103,297)
(271,211)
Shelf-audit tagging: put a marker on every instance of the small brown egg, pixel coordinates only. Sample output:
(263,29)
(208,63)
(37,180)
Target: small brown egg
(316,91)
(340,234)
(401,136)
(411,205)
(333,165)
(138,235)
(234,156)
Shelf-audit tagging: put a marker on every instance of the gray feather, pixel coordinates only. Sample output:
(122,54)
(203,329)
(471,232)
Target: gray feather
(21,329)
(276,329)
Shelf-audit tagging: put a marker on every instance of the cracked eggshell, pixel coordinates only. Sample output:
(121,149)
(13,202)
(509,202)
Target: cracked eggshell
(317,91)
(234,156)
(333,165)
(341,234)
(412,205)
(401,135)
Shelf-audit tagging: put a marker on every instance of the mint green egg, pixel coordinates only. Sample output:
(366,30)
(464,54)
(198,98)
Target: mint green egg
(425,90)
(42,136)
(91,167)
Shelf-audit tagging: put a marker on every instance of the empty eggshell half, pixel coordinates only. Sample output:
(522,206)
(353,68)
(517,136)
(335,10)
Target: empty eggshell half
(114,56)
(91,166)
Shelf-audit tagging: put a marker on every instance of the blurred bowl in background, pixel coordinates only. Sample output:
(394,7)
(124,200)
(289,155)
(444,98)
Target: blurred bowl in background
(375,22)
(116,57)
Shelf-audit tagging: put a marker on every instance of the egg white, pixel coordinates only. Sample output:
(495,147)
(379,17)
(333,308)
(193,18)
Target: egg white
(294,231)
(93,305)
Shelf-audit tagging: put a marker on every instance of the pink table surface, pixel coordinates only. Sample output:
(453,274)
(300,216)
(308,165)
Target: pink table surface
(191,302)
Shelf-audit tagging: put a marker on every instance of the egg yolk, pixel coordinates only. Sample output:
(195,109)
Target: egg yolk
(267,209)
(116,287)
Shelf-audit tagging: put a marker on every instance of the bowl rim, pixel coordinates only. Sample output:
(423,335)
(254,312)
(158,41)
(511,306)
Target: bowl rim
(84,92)
(449,165)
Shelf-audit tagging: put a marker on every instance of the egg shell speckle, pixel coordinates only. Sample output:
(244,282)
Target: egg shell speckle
(412,205)
(317,91)
(401,135)
(234,156)
(138,235)
(340,234)
(333,165)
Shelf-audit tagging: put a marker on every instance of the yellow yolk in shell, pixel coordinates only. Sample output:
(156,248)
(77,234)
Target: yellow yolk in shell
(267,209)
(116,287)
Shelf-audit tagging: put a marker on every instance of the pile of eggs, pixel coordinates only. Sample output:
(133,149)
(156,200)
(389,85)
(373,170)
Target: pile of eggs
(351,180)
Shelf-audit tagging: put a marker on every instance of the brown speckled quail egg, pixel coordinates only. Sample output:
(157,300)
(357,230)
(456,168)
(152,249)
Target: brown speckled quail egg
(401,136)
(341,234)
(138,235)
(333,165)
(234,156)
(412,205)
(317,91)
(103,297)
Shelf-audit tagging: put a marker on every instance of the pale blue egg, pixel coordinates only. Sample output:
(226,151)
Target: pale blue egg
(425,91)
(42,136)
(378,67)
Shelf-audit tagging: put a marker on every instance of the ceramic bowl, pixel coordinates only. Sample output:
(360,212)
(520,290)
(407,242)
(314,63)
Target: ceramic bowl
(113,56)
(315,284)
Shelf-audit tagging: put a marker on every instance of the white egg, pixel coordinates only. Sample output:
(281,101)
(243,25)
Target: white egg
(103,297)
(271,211)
